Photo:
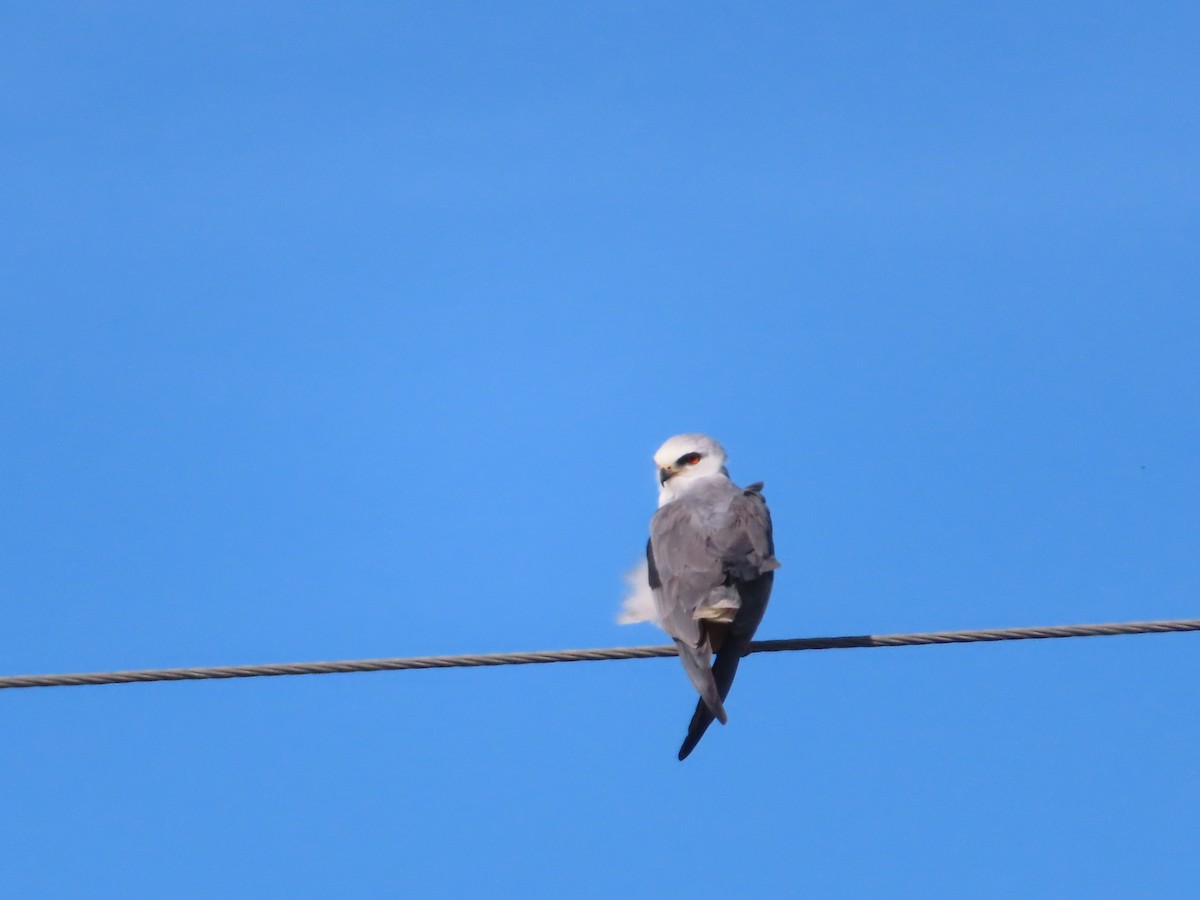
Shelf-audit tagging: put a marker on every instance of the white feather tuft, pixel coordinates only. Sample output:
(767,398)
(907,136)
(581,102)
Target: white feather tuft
(638,605)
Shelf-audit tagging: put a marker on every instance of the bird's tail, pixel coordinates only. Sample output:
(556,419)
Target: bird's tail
(695,663)
(723,671)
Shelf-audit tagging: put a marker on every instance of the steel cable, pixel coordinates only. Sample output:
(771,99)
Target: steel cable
(553,656)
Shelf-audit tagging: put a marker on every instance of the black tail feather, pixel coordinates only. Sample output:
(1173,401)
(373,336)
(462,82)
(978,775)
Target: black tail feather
(736,644)
(724,668)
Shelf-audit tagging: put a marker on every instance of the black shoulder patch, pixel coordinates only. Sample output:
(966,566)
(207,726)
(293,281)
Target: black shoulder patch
(655,581)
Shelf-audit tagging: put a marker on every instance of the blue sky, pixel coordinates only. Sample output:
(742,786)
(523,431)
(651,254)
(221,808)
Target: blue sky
(334,332)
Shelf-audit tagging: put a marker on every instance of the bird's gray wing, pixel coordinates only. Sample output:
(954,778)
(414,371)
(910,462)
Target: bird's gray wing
(749,561)
(683,572)
(746,543)
(685,567)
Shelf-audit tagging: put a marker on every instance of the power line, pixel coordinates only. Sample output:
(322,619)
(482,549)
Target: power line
(553,656)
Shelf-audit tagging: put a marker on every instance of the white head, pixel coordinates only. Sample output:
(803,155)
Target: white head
(685,460)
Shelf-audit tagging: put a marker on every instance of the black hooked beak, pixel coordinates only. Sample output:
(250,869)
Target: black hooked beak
(664,475)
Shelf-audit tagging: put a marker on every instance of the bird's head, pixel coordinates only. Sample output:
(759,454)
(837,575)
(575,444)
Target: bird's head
(684,460)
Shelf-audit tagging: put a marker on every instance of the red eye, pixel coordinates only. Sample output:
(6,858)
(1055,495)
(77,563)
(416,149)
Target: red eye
(691,459)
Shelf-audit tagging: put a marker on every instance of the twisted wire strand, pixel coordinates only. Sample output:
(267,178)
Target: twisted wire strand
(609,653)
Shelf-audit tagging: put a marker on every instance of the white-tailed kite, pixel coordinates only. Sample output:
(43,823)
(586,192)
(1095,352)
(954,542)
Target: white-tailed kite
(710,563)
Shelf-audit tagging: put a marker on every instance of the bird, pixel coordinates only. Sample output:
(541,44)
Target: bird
(710,566)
